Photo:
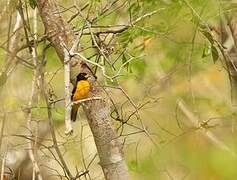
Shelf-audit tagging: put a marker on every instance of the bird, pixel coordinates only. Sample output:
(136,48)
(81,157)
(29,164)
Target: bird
(80,91)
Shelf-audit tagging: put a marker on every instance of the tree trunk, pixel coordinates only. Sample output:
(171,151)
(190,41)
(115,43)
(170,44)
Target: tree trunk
(98,112)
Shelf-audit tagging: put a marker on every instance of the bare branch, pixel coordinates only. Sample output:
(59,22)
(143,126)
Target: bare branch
(36,169)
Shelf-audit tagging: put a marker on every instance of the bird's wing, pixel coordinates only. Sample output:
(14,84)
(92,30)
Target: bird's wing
(73,92)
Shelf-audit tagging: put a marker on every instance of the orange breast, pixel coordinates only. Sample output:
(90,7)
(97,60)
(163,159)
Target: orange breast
(82,91)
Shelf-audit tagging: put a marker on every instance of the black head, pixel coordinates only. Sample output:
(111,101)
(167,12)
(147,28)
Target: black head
(82,76)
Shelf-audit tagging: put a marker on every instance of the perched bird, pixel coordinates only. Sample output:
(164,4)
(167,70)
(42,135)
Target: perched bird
(80,91)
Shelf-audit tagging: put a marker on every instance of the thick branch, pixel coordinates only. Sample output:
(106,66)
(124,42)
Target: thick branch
(98,112)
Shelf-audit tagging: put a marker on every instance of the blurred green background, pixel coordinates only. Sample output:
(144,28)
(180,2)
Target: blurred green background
(176,68)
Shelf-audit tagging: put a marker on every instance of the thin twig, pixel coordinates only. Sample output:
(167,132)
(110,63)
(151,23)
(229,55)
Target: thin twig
(86,99)
(36,170)
(51,124)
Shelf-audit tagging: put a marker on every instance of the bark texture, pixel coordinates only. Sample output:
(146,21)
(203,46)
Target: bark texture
(228,38)
(98,112)
(233,59)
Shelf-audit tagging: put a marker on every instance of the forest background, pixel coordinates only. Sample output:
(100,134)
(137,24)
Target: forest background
(167,66)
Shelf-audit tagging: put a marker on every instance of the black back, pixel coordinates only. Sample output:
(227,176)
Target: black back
(80,76)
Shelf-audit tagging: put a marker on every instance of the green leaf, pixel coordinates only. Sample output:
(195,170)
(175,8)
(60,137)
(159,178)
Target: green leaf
(134,8)
(206,51)
(214,54)
(33,4)
(138,67)
(124,38)
(124,60)
(132,165)
(208,35)
(3,79)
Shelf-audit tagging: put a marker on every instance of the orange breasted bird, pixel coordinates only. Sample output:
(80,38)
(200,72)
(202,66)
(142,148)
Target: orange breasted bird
(80,91)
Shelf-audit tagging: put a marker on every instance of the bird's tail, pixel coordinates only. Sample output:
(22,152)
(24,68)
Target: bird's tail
(74,112)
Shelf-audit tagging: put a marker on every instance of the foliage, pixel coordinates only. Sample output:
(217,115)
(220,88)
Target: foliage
(156,54)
